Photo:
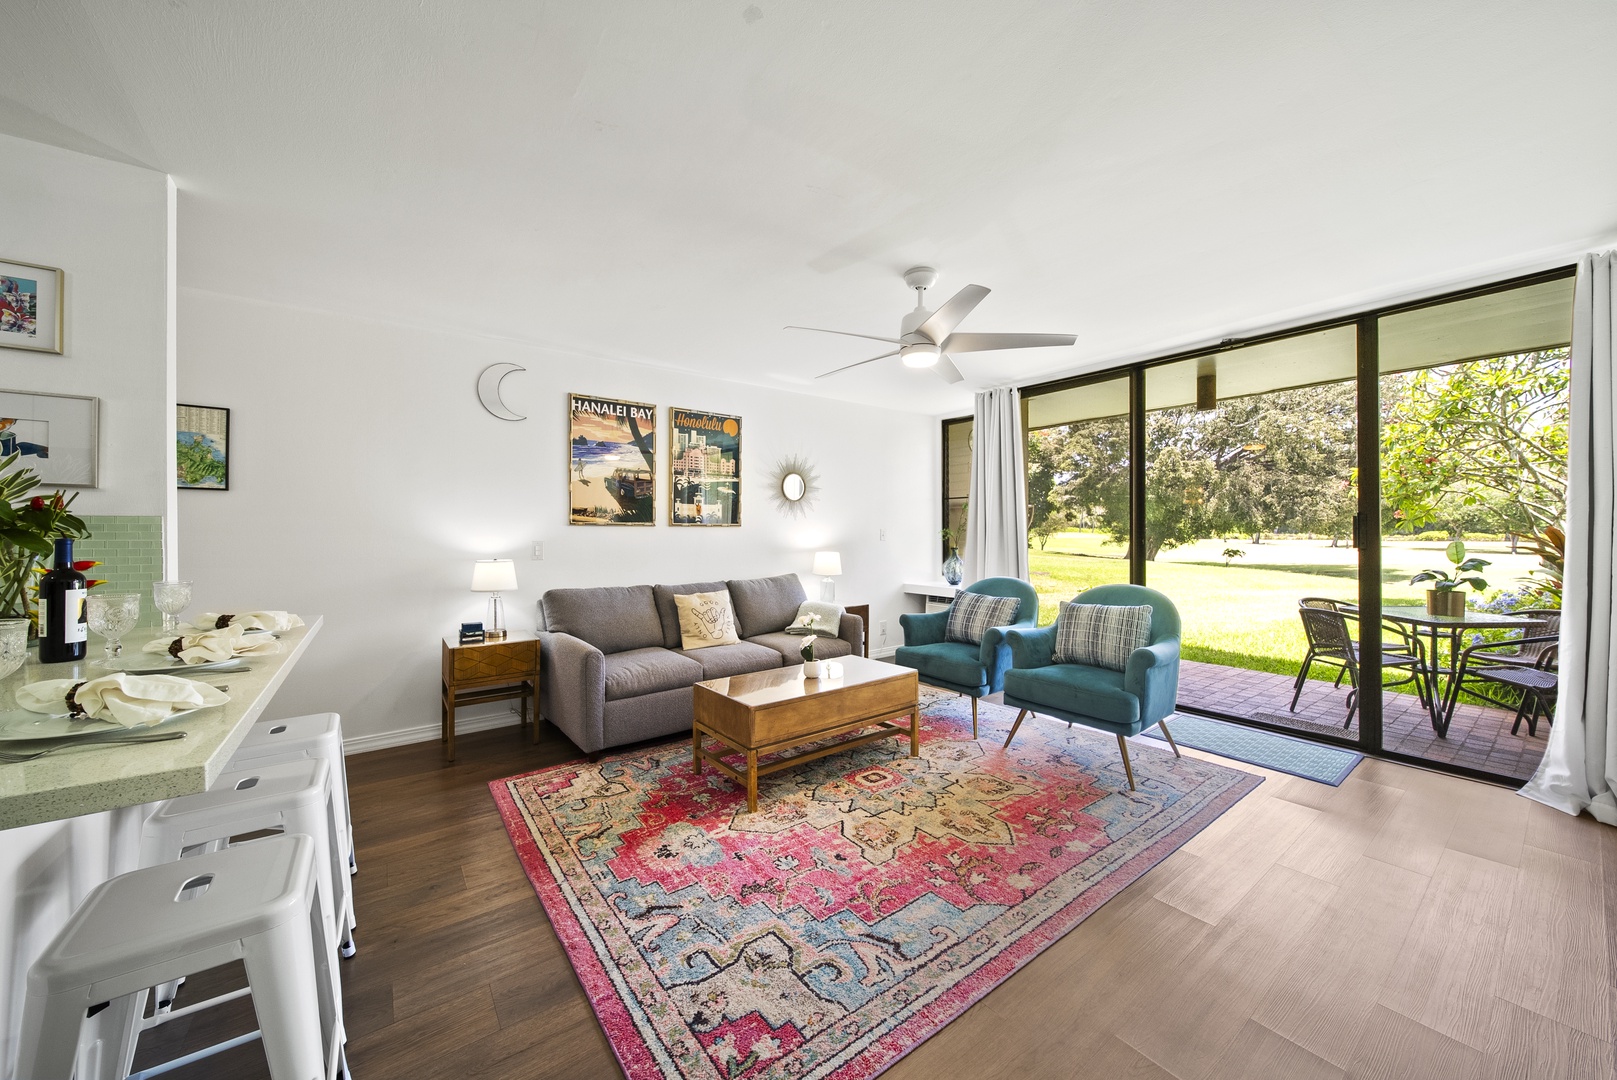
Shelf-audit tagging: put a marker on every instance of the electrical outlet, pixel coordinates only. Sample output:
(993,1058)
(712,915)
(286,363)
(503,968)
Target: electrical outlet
(538,549)
(883,626)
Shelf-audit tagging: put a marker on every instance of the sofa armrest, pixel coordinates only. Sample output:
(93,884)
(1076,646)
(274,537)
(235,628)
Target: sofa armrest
(995,643)
(572,688)
(1152,675)
(1032,648)
(927,629)
(852,630)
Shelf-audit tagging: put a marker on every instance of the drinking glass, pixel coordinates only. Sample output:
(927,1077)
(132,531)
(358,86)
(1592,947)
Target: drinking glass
(13,645)
(112,615)
(171,598)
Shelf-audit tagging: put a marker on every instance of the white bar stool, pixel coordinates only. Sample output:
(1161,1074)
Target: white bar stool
(257,902)
(318,736)
(292,797)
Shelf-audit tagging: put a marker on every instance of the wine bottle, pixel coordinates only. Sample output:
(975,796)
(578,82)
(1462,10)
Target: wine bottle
(64,633)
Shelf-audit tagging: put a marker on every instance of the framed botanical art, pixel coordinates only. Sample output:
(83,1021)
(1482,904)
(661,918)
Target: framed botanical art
(30,307)
(202,447)
(611,461)
(704,468)
(55,434)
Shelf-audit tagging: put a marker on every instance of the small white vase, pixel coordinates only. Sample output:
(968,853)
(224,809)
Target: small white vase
(811,668)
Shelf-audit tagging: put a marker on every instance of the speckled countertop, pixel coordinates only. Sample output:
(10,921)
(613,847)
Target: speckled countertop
(88,780)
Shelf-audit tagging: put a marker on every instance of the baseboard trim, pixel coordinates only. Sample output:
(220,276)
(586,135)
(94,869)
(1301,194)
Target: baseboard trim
(883,653)
(382,740)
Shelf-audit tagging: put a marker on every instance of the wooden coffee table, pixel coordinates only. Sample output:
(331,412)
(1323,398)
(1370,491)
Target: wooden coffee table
(769,711)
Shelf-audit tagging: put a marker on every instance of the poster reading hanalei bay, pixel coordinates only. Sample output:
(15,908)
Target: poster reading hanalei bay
(706,468)
(612,461)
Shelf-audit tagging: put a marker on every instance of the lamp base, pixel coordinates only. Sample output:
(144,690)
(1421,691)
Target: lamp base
(494,629)
(828,589)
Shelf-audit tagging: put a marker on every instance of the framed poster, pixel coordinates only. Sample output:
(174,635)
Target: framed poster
(704,468)
(56,434)
(30,307)
(612,461)
(202,447)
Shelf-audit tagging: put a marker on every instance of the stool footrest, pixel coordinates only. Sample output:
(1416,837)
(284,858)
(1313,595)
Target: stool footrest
(174,1014)
(197,1055)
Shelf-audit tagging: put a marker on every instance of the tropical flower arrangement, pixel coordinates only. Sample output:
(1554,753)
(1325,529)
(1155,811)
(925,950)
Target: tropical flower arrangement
(29,526)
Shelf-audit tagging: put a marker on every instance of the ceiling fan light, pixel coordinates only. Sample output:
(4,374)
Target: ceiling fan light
(919,356)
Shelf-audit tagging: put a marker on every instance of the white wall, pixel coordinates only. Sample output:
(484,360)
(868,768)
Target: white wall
(365,479)
(106,225)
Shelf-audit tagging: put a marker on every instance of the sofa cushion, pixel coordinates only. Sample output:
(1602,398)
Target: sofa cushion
(705,620)
(664,595)
(765,605)
(634,672)
(952,661)
(972,614)
(612,618)
(790,647)
(738,659)
(1074,688)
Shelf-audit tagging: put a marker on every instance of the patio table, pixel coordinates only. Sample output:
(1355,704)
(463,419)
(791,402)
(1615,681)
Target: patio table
(1451,627)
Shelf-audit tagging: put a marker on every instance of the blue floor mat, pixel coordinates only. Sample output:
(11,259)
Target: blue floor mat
(1326,764)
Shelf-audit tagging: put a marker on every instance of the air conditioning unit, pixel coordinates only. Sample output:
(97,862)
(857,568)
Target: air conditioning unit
(938,603)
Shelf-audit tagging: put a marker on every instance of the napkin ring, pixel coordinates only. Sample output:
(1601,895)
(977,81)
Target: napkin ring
(175,647)
(74,709)
(222,621)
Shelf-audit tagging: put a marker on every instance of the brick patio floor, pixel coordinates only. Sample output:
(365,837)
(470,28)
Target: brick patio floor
(1479,736)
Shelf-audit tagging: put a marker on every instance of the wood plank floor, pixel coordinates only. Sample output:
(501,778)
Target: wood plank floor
(1405,924)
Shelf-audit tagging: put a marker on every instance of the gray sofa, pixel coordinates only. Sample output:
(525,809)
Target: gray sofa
(612,671)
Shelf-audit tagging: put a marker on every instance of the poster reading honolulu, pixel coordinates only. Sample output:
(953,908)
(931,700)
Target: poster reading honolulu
(706,468)
(612,462)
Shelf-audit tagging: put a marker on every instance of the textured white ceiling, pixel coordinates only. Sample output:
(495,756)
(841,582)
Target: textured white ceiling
(672,182)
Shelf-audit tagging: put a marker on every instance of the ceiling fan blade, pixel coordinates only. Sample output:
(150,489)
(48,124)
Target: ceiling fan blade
(861,363)
(946,318)
(990,342)
(946,370)
(844,333)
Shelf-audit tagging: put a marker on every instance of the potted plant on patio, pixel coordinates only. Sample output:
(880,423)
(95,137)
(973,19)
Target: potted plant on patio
(1445,597)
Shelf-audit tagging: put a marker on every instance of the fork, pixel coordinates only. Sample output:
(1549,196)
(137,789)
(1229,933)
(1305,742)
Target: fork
(9,757)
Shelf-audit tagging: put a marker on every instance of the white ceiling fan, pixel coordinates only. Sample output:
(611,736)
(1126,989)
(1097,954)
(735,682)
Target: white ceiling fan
(925,338)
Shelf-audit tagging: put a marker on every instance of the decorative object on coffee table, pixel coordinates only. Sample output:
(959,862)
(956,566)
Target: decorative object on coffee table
(794,486)
(828,567)
(30,307)
(202,447)
(488,671)
(873,899)
(494,576)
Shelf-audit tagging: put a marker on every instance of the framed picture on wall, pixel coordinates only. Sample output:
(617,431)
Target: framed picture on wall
(30,307)
(55,434)
(612,455)
(202,447)
(704,468)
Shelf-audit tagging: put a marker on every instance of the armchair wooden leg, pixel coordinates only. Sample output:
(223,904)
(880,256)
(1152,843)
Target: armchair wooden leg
(973,718)
(1019,718)
(1166,734)
(1123,745)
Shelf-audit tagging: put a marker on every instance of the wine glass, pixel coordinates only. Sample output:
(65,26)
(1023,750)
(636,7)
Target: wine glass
(112,615)
(171,598)
(13,645)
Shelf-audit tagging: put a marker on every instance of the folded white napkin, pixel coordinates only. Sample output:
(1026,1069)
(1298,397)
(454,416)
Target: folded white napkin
(249,620)
(130,700)
(214,645)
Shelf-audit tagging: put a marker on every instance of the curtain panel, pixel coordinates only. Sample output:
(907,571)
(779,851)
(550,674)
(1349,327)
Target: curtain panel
(1579,770)
(996,517)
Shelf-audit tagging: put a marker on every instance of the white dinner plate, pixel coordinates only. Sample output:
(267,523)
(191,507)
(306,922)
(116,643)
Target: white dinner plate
(153,664)
(20,725)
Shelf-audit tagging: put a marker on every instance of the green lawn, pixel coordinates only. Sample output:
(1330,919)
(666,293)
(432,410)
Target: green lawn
(1245,615)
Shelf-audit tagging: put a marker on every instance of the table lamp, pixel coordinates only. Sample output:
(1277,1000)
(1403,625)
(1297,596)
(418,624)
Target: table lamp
(494,576)
(828,564)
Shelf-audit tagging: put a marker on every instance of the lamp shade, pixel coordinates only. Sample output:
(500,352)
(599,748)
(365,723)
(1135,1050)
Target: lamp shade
(827,564)
(494,575)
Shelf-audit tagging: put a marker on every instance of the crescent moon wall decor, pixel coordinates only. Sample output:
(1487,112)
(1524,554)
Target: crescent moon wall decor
(794,486)
(488,390)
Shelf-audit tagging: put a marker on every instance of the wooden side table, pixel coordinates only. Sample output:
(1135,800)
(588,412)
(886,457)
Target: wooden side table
(491,671)
(863,611)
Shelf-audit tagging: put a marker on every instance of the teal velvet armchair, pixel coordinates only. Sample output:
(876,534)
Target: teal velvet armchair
(1122,702)
(973,670)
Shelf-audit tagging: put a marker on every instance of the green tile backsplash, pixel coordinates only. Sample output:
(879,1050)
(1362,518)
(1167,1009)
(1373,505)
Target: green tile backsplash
(130,548)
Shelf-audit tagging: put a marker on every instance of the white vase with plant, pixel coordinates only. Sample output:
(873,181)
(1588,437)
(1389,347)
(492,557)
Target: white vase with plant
(811,666)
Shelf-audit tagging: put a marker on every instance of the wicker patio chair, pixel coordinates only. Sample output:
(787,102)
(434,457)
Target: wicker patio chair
(1537,684)
(1331,642)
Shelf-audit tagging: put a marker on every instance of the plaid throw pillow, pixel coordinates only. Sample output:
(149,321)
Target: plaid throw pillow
(973,613)
(1100,635)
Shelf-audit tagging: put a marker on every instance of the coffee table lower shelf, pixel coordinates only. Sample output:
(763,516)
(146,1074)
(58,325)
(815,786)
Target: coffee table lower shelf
(748,777)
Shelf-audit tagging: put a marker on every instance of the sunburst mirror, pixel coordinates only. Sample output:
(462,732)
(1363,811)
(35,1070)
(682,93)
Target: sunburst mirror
(794,486)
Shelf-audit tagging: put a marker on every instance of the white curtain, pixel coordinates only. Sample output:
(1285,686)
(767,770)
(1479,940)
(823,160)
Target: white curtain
(996,516)
(1579,770)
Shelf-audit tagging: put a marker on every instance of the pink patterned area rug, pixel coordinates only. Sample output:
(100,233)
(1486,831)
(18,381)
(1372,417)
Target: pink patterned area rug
(871,900)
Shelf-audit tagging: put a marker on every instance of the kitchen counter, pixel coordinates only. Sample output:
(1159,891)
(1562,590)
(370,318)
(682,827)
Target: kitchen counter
(73,782)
